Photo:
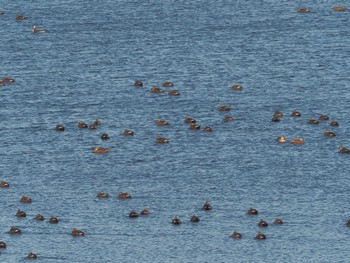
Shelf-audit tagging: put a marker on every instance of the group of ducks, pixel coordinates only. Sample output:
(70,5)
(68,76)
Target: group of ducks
(335,8)
(6,80)
(21,17)
(22,214)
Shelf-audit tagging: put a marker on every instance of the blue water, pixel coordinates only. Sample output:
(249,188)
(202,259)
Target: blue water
(84,68)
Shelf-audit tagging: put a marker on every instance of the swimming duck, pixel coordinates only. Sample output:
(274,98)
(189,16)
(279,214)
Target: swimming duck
(128,132)
(100,150)
(189,120)
(167,84)
(104,136)
(348,223)
(39,217)
(21,17)
(4,184)
(26,199)
(8,80)
(339,8)
(224,108)
(161,122)
(138,83)
(278,114)
(207,129)
(312,121)
(296,114)
(237,87)
(102,195)
(343,149)
(97,122)
(32,256)
(173,93)
(161,140)
(281,139)
(1,13)
(278,221)
(38,31)
(2,84)
(194,126)
(297,141)
(82,125)
(2,244)
(59,127)
(262,223)
(145,212)
(195,219)
(236,235)
(133,214)
(329,134)
(176,221)
(21,213)
(155,89)
(77,233)
(92,127)
(15,230)
(260,236)
(252,211)
(206,206)
(303,10)
(276,119)
(53,220)
(323,118)
(334,124)
(228,118)
(123,195)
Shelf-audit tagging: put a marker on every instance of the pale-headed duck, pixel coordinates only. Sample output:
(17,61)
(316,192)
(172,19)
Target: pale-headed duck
(59,127)
(189,120)
(329,134)
(237,87)
(38,31)
(281,139)
(39,217)
(252,211)
(343,149)
(262,223)
(128,132)
(31,255)
(123,195)
(138,83)
(260,236)
(162,140)
(278,221)
(100,150)
(312,121)
(176,221)
(224,108)
(339,8)
(195,219)
(77,233)
(133,214)
(155,89)
(15,230)
(173,93)
(167,84)
(161,122)
(53,220)
(297,141)
(145,212)
(236,235)
(26,199)
(4,184)
(102,195)
(104,136)
(21,213)
(303,10)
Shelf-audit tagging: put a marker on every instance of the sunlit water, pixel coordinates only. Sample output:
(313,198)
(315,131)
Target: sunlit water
(84,68)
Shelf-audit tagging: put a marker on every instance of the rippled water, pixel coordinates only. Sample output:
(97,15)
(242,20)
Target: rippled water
(84,68)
